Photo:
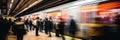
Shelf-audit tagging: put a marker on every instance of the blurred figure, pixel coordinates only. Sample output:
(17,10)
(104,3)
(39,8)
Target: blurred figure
(11,25)
(40,24)
(60,30)
(48,26)
(56,22)
(30,24)
(4,29)
(42,27)
(72,28)
(100,31)
(117,22)
(27,24)
(19,29)
(35,24)
(95,31)
(108,32)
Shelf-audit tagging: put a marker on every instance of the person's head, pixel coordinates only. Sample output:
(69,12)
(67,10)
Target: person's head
(46,18)
(37,18)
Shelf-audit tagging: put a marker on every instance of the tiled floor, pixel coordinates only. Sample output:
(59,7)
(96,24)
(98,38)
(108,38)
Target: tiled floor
(31,36)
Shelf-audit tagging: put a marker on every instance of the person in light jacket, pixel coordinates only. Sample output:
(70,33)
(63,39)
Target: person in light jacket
(19,29)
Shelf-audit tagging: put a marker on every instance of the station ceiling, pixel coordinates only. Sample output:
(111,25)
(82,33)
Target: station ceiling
(23,7)
(19,8)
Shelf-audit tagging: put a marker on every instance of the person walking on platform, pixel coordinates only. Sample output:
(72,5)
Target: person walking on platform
(20,29)
(30,24)
(60,30)
(27,24)
(35,24)
(48,26)
(40,24)
(72,28)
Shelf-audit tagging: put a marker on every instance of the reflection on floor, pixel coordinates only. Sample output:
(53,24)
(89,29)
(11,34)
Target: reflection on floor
(31,36)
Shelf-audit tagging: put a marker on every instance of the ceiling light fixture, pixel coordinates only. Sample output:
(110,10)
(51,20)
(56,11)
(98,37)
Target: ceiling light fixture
(36,2)
(72,4)
(11,3)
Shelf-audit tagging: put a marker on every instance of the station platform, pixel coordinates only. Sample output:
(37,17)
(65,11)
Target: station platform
(42,36)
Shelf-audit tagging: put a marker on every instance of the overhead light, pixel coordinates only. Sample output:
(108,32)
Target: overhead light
(11,3)
(36,2)
(72,4)
(115,10)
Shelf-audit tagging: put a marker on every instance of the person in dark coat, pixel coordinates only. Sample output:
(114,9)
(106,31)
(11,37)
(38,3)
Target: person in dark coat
(60,30)
(19,29)
(4,29)
(30,24)
(48,26)
(40,25)
(27,24)
(117,23)
(72,28)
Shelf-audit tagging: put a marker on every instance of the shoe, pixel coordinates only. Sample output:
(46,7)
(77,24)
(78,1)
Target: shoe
(49,36)
(37,35)
(57,36)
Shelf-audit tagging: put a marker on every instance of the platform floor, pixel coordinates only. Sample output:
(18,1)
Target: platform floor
(31,36)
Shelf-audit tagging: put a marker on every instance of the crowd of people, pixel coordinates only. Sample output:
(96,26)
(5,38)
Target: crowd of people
(20,27)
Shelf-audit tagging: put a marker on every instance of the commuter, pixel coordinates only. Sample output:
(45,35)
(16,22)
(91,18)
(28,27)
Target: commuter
(4,29)
(100,31)
(72,28)
(56,27)
(35,25)
(60,30)
(40,25)
(19,29)
(13,27)
(10,23)
(108,32)
(26,24)
(117,23)
(30,24)
(48,26)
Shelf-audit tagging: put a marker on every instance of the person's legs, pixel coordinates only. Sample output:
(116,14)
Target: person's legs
(37,31)
(30,27)
(46,31)
(40,29)
(21,37)
(73,35)
(2,37)
(57,32)
(18,37)
(49,32)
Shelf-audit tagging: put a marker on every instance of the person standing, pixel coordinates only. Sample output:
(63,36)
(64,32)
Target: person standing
(72,28)
(40,25)
(117,23)
(4,28)
(48,26)
(30,24)
(27,24)
(35,24)
(61,26)
(20,29)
